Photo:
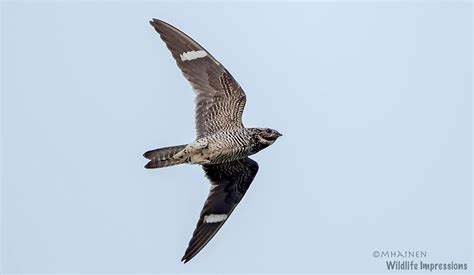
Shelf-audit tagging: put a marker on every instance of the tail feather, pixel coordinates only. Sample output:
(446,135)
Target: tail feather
(163,157)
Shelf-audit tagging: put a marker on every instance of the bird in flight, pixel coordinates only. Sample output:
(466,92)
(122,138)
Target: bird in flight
(222,145)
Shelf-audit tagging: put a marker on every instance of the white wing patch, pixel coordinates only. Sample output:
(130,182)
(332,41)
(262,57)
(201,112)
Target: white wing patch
(213,218)
(191,55)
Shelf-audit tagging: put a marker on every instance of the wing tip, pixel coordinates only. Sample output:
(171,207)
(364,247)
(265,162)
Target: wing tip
(188,255)
(156,23)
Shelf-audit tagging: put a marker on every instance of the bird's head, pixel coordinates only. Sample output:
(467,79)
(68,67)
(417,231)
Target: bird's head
(266,136)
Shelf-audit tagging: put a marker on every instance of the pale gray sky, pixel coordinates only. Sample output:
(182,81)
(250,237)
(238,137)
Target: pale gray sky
(373,99)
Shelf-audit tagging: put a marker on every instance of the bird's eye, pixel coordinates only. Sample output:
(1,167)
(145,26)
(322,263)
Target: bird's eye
(268,131)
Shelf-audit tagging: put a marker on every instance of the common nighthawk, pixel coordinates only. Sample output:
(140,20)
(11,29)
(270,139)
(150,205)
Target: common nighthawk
(222,145)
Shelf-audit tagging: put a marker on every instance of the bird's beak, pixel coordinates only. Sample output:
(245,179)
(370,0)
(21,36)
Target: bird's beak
(279,135)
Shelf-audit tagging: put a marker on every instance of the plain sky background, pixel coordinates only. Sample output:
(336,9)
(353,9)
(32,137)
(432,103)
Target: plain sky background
(373,99)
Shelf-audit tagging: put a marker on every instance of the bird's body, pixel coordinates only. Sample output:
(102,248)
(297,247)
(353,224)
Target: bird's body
(222,145)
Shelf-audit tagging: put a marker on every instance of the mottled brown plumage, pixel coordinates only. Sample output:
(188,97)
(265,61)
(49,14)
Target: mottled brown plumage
(222,145)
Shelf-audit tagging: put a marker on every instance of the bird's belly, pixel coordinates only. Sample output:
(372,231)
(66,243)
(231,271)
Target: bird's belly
(220,149)
(200,158)
(228,154)
(210,155)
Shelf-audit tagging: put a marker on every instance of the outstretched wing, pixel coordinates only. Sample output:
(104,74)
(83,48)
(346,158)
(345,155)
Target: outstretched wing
(229,182)
(220,100)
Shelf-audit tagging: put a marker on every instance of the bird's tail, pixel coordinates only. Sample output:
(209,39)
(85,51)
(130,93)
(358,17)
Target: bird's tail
(163,157)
